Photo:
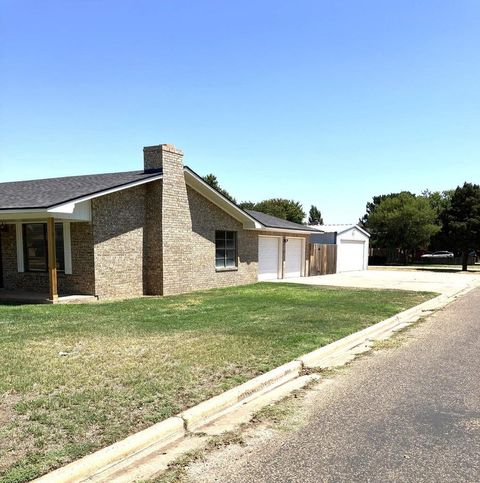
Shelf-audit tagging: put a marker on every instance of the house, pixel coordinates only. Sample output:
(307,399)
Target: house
(158,231)
(352,244)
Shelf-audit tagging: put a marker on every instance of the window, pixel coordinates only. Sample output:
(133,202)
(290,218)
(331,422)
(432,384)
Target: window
(225,249)
(35,247)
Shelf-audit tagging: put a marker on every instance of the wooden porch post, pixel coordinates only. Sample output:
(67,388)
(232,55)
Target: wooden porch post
(52,260)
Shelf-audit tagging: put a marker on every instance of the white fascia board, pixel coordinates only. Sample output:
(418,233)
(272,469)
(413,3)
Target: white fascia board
(75,212)
(199,185)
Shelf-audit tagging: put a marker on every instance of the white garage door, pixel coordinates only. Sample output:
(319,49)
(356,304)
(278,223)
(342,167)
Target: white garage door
(268,257)
(293,257)
(350,256)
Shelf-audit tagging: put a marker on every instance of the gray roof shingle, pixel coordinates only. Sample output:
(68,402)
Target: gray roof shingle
(273,222)
(45,193)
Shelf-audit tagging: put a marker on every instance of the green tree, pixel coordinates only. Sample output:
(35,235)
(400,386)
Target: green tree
(403,221)
(281,208)
(440,202)
(315,216)
(371,205)
(212,180)
(247,205)
(461,220)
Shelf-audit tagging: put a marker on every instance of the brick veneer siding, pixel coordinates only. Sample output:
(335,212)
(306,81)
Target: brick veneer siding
(206,219)
(153,267)
(81,281)
(118,236)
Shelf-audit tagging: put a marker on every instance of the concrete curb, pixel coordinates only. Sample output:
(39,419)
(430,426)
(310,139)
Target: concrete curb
(204,412)
(175,428)
(167,432)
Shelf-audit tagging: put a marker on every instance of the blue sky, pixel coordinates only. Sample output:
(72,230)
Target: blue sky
(325,102)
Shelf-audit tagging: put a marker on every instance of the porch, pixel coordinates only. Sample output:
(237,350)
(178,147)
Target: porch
(38,264)
(21,297)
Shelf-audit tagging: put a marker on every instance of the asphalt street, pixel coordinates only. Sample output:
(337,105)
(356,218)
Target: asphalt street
(408,413)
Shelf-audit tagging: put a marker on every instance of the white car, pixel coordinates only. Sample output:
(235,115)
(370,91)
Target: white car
(440,254)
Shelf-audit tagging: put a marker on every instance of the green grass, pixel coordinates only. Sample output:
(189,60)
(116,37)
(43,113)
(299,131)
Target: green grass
(74,378)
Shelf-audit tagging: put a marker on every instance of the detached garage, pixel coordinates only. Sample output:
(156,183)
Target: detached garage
(352,243)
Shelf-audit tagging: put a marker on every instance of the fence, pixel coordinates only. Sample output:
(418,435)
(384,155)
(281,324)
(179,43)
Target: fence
(323,259)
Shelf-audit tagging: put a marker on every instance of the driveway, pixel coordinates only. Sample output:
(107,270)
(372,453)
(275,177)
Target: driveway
(424,281)
(410,413)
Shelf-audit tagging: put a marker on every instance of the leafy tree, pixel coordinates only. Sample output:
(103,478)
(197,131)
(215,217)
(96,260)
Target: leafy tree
(440,202)
(281,208)
(212,180)
(315,216)
(371,205)
(461,220)
(403,221)
(247,205)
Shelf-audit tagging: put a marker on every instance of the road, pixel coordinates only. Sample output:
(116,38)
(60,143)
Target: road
(410,413)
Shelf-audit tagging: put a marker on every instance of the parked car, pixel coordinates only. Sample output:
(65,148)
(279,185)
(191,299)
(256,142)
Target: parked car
(439,254)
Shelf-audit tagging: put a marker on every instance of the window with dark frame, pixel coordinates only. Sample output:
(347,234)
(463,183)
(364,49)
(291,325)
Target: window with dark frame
(225,249)
(35,250)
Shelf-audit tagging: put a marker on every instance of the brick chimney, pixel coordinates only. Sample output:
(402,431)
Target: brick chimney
(170,206)
(154,156)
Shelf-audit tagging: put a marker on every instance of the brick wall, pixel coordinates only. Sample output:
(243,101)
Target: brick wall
(153,269)
(206,219)
(118,236)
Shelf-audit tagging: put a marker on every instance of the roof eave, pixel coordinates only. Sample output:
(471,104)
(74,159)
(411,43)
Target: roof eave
(285,230)
(70,208)
(196,182)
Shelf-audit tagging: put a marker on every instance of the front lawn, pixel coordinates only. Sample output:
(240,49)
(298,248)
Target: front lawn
(75,378)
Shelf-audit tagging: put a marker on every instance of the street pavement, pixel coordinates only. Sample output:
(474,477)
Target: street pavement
(409,413)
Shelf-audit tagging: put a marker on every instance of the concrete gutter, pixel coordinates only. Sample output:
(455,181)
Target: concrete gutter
(262,388)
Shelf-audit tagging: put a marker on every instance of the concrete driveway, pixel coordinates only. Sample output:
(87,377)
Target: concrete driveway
(424,281)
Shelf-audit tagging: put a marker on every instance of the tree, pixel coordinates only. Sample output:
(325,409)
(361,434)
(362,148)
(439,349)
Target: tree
(281,208)
(371,205)
(212,180)
(440,202)
(247,205)
(461,220)
(315,216)
(403,221)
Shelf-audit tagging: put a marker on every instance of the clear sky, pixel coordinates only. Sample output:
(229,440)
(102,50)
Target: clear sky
(325,102)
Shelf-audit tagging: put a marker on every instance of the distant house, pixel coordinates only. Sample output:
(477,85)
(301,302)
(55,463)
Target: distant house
(352,244)
(158,231)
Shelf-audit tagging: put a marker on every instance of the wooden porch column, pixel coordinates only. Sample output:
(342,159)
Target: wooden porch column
(52,260)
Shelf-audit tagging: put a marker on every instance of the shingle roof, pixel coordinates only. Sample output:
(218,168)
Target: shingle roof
(45,193)
(274,222)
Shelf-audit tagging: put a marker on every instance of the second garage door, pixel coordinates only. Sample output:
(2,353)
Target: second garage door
(293,257)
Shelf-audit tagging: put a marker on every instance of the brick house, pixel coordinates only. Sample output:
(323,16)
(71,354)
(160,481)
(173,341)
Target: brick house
(158,231)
